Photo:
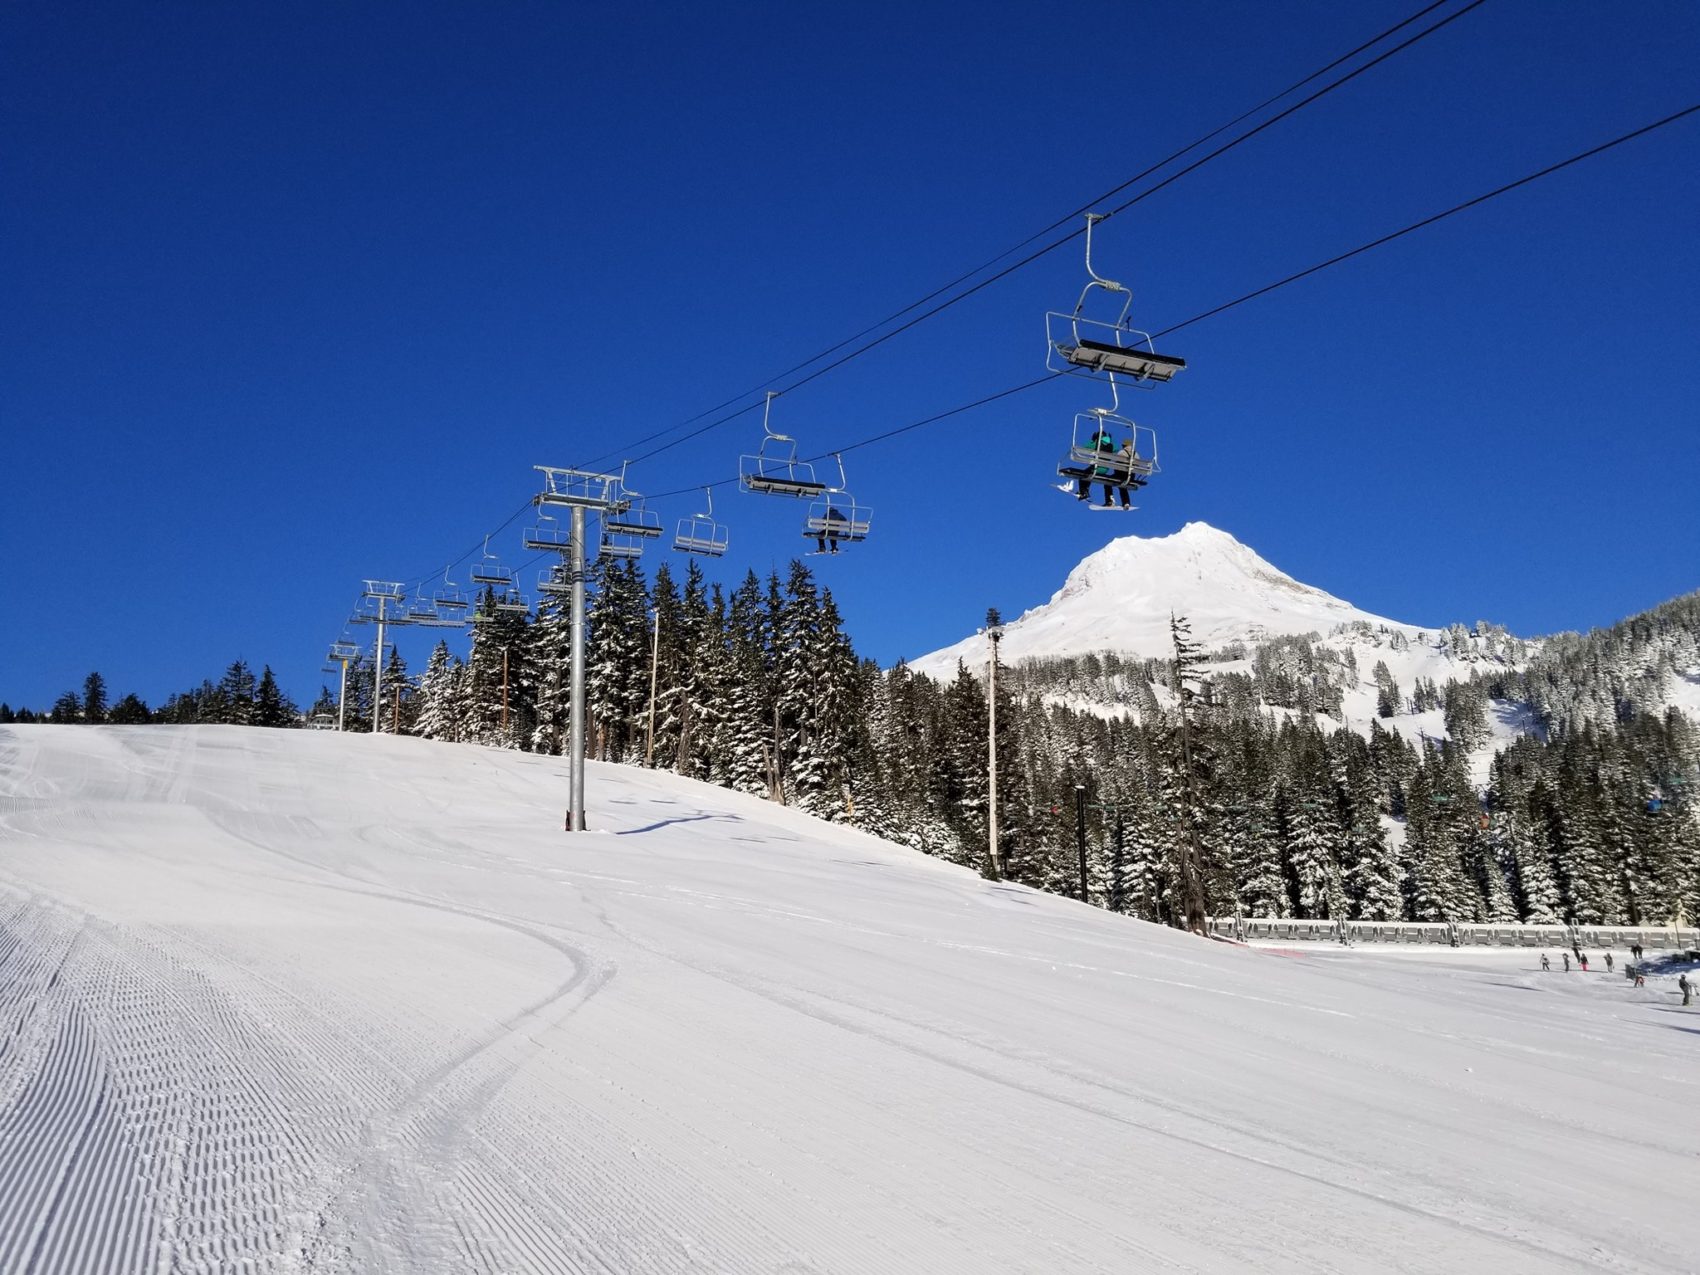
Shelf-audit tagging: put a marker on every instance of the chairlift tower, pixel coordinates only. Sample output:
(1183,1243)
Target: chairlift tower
(382,593)
(578,491)
(342,652)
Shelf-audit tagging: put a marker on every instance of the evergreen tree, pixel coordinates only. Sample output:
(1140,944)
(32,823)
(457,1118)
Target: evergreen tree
(436,717)
(129,711)
(235,704)
(1190,762)
(271,706)
(94,698)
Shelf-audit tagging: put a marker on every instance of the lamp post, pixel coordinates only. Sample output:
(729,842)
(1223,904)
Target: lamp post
(1080,834)
(994,859)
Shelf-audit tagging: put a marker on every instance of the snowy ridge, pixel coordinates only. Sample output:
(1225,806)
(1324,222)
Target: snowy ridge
(1120,598)
(282,1000)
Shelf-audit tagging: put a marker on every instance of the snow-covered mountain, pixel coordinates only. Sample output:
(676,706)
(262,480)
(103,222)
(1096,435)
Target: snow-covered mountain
(1119,599)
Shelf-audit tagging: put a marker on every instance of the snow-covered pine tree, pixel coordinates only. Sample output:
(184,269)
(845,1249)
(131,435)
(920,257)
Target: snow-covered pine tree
(236,696)
(617,659)
(1191,765)
(745,697)
(670,671)
(436,696)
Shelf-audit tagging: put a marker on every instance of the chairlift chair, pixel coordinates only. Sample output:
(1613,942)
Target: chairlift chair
(836,517)
(344,651)
(699,533)
(634,520)
(489,570)
(449,597)
(555,579)
(513,602)
(620,545)
(774,469)
(1120,467)
(1086,346)
(548,535)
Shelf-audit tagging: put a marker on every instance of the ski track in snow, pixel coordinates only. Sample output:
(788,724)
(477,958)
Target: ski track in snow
(282,1001)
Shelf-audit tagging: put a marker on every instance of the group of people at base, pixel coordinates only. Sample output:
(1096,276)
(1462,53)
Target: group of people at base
(1634,972)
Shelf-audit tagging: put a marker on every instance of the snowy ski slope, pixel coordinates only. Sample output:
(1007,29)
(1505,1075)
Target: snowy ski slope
(288,1001)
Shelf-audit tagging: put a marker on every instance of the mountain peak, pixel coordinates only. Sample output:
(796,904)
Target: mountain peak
(1120,597)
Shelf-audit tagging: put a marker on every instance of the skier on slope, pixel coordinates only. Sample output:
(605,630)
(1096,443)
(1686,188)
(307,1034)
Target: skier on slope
(1686,987)
(1546,961)
(1608,962)
(1567,962)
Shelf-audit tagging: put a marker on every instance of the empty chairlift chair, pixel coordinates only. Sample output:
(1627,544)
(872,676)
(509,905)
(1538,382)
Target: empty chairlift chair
(635,521)
(773,469)
(490,571)
(450,600)
(1084,346)
(547,536)
(700,533)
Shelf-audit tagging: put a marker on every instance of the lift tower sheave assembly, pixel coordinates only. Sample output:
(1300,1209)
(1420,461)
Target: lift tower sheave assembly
(578,491)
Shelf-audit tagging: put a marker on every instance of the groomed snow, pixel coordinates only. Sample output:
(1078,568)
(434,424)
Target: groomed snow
(286,1001)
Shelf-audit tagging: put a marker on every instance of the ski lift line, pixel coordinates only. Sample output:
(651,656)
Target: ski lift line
(1031,257)
(1073,235)
(1429,221)
(1280,283)
(1550,169)
(888,434)
(1038,234)
(1141,196)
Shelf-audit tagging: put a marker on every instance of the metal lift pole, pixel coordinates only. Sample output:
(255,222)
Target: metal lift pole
(993,633)
(579,490)
(342,698)
(575,821)
(378,671)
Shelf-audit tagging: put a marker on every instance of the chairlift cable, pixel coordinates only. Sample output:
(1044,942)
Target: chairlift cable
(1032,257)
(1338,258)
(1027,260)
(1431,220)
(1267,288)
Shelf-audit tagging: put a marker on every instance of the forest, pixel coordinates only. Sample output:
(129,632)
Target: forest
(1232,792)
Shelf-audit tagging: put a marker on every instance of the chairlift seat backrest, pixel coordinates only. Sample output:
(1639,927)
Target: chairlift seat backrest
(1117,463)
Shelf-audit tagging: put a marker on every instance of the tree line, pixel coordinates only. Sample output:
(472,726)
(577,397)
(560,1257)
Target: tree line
(1196,797)
(238,698)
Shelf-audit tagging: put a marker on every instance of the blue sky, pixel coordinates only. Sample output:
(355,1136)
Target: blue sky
(294,295)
